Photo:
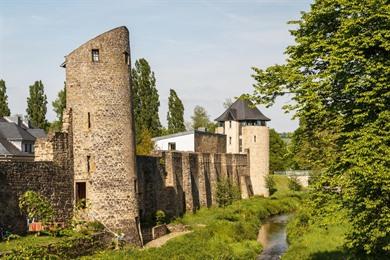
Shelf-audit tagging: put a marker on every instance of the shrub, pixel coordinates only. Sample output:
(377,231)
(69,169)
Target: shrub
(270,184)
(293,184)
(161,218)
(36,206)
(227,193)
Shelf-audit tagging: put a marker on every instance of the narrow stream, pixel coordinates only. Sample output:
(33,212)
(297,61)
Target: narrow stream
(273,237)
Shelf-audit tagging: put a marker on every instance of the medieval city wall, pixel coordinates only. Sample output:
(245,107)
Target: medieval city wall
(179,182)
(51,176)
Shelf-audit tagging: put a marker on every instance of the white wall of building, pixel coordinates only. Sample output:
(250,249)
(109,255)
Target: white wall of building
(183,142)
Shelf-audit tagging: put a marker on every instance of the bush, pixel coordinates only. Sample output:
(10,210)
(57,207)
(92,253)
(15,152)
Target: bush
(36,207)
(270,184)
(227,193)
(161,218)
(293,184)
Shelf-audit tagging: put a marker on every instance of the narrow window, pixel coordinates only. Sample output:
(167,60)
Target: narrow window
(135,186)
(127,58)
(254,139)
(230,140)
(171,146)
(88,163)
(89,120)
(95,55)
(240,145)
(81,194)
(230,124)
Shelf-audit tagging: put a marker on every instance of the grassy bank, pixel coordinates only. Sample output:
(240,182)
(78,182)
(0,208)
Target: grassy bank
(223,233)
(321,238)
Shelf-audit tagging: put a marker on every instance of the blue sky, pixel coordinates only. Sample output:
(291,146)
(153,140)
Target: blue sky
(202,49)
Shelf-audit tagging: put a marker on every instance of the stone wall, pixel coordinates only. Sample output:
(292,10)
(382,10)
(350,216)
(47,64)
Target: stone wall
(47,178)
(209,142)
(179,182)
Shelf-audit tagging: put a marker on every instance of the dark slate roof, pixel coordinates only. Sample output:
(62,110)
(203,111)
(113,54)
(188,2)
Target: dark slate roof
(8,148)
(242,110)
(36,132)
(12,131)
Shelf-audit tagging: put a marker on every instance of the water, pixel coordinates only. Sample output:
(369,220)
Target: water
(272,236)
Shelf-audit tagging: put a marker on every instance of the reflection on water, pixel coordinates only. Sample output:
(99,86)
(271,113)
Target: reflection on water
(272,236)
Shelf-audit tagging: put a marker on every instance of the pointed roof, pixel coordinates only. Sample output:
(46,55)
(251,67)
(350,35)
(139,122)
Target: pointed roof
(242,110)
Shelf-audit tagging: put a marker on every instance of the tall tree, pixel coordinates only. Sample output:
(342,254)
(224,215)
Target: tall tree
(36,105)
(201,119)
(277,152)
(59,106)
(4,109)
(175,116)
(146,98)
(227,103)
(338,72)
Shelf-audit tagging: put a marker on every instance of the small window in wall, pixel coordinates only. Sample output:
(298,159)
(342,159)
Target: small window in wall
(95,55)
(28,148)
(89,120)
(171,146)
(254,139)
(230,124)
(81,194)
(230,140)
(88,163)
(240,145)
(127,58)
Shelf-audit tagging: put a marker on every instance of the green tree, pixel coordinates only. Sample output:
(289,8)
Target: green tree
(201,119)
(146,99)
(4,109)
(59,106)
(338,72)
(175,116)
(145,145)
(277,152)
(36,105)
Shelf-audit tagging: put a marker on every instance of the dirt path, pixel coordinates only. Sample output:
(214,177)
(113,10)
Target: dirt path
(162,240)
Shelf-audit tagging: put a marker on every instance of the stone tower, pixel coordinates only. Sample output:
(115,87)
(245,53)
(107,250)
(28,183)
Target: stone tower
(99,95)
(246,132)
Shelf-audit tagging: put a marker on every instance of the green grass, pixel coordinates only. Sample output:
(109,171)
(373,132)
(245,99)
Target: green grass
(321,239)
(229,233)
(281,183)
(25,241)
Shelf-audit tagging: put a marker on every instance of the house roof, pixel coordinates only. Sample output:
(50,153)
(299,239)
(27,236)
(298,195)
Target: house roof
(158,138)
(8,148)
(12,131)
(36,132)
(242,110)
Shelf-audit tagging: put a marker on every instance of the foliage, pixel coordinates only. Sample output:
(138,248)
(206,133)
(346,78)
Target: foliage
(4,109)
(338,73)
(36,206)
(59,106)
(218,233)
(201,119)
(293,184)
(277,152)
(36,106)
(175,116)
(161,218)
(227,193)
(145,99)
(270,184)
(145,144)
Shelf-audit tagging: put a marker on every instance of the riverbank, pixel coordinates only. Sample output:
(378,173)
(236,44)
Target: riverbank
(223,233)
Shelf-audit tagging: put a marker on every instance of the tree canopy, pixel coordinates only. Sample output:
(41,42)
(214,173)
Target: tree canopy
(146,99)
(36,105)
(200,119)
(175,115)
(338,73)
(4,109)
(277,152)
(59,106)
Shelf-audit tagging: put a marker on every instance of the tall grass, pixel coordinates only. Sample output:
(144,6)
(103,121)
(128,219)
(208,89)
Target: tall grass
(218,233)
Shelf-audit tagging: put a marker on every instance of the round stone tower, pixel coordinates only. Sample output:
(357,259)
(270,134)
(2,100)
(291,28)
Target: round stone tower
(99,95)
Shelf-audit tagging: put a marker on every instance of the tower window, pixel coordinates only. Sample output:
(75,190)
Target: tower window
(254,139)
(89,120)
(230,124)
(88,163)
(230,140)
(171,146)
(127,58)
(95,55)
